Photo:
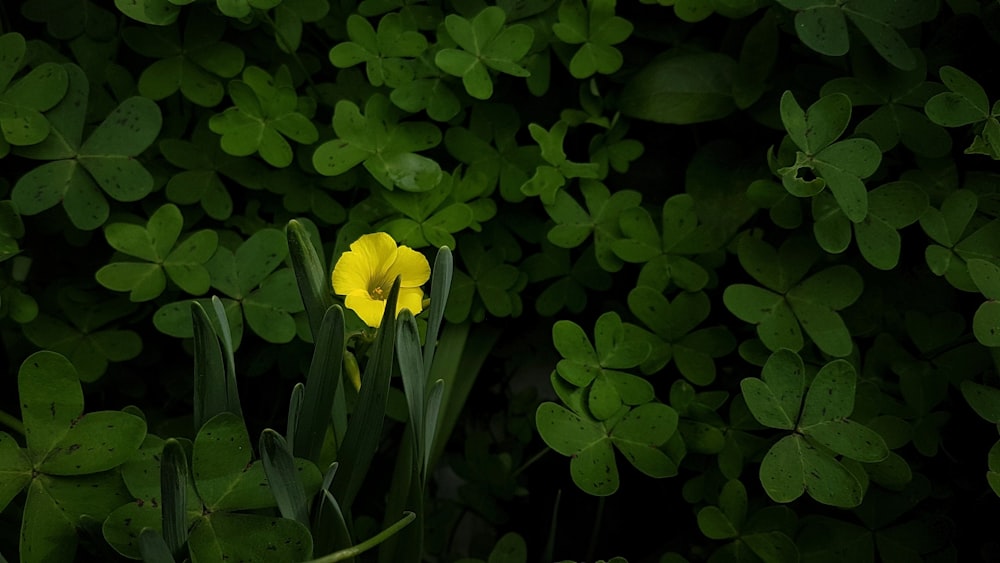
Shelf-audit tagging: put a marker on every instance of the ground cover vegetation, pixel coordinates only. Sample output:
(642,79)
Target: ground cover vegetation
(454,280)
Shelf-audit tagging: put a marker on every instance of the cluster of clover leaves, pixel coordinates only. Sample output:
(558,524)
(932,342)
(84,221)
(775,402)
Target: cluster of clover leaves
(786,315)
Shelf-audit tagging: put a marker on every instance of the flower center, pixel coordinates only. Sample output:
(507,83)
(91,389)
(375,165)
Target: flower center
(377,293)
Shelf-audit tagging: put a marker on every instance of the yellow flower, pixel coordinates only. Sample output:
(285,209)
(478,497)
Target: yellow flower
(364,275)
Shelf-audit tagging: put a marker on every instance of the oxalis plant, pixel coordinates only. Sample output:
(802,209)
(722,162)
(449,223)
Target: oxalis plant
(454,280)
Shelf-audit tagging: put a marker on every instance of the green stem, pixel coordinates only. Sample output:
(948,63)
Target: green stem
(277,33)
(596,531)
(528,463)
(364,546)
(11,422)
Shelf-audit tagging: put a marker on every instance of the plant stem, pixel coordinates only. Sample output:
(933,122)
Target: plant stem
(367,544)
(11,422)
(595,533)
(277,33)
(533,459)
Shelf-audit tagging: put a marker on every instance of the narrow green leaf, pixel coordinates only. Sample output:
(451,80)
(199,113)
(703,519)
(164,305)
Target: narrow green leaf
(283,477)
(411,370)
(173,495)
(226,338)
(209,372)
(154,548)
(444,267)
(310,275)
(432,415)
(321,386)
(365,429)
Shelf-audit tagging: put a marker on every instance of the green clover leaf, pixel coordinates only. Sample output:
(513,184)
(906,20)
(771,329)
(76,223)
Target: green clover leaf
(763,534)
(596,29)
(66,19)
(88,339)
(387,53)
(11,229)
(22,102)
(17,305)
(900,96)
(67,452)
(681,88)
(428,91)
(223,479)
(805,461)
(431,218)
(387,148)
(549,178)
(289,17)
(891,207)
(758,57)
(489,283)
(256,290)
(840,165)
(572,278)
(241,9)
(789,304)
(958,238)
(923,385)
(266,112)
(486,43)
(966,103)
(574,224)
(612,149)
(672,333)
(638,434)
(986,322)
(153,12)
(206,167)
(157,244)
(693,11)
(822,26)
(662,256)
(192,65)
(599,368)
(77,173)
(303,194)
(490,148)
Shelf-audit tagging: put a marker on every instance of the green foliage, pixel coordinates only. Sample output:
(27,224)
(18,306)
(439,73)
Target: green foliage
(636,433)
(193,65)
(22,102)
(69,459)
(387,148)
(485,43)
(157,243)
(266,112)
(966,103)
(255,289)
(823,26)
(790,303)
(839,165)
(77,171)
(754,245)
(596,29)
(806,460)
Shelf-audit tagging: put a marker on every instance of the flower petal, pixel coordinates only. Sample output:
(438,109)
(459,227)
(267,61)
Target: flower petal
(410,298)
(378,250)
(351,273)
(370,310)
(411,266)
